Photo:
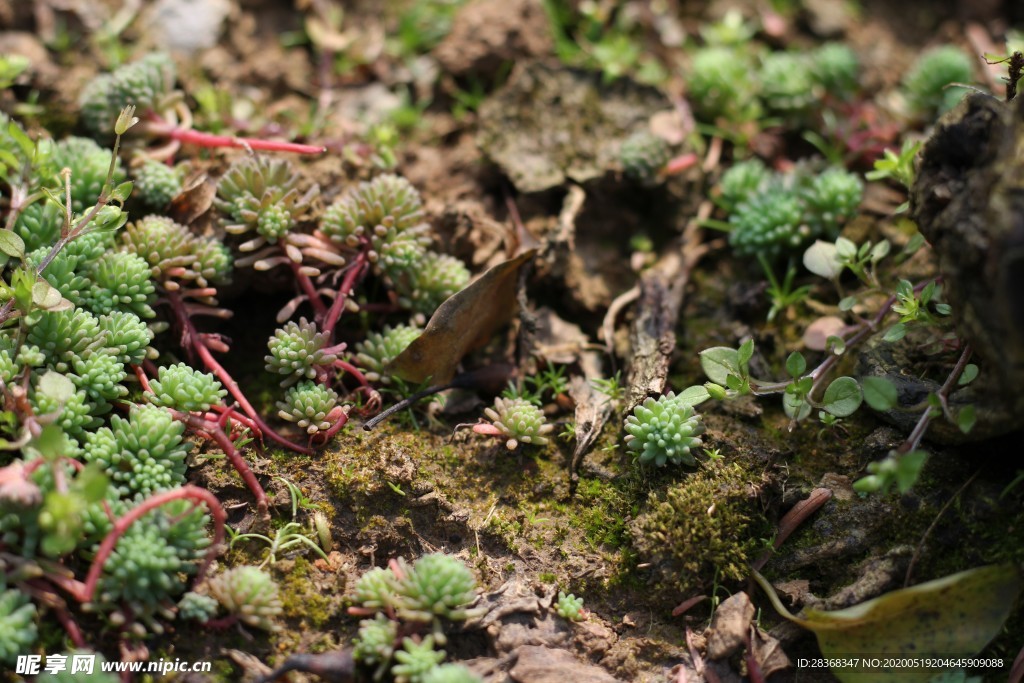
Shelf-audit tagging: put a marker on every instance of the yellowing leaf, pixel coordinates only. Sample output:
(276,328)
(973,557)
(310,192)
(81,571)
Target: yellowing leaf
(955,616)
(465,321)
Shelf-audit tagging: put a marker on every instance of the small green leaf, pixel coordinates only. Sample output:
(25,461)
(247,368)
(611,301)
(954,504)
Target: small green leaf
(121,192)
(821,258)
(22,139)
(795,406)
(11,244)
(745,353)
(44,295)
(92,483)
(908,469)
(55,386)
(733,382)
(880,251)
(843,397)
(796,364)
(846,249)
(879,392)
(694,395)
(847,303)
(50,442)
(943,309)
(835,344)
(895,333)
(968,375)
(966,418)
(915,243)
(719,362)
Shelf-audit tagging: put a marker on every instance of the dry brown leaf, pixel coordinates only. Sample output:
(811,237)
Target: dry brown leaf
(465,321)
(729,626)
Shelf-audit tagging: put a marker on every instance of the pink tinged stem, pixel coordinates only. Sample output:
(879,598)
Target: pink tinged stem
(356,271)
(215,432)
(319,309)
(679,164)
(195,137)
(85,592)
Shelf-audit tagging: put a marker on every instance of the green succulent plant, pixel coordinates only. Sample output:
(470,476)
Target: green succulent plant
(437,585)
(308,404)
(126,335)
(386,211)
(156,183)
(181,387)
(770,222)
(100,375)
(520,421)
(741,182)
(833,198)
(296,351)
(250,593)
(664,430)
(17,624)
(787,82)
(374,645)
(142,454)
(377,589)
(835,67)
(416,660)
(161,241)
(147,84)
(196,607)
(642,155)
(261,193)
(569,607)
(374,353)
(122,281)
(926,82)
(450,673)
(722,85)
(433,279)
(66,336)
(88,163)
(39,224)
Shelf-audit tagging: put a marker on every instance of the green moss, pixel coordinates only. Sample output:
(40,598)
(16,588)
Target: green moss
(708,525)
(302,600)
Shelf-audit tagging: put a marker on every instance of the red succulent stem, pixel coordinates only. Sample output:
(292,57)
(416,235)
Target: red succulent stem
(356,271)
(220,437)
(319,309)
(194,343)
(84,592)
(161,127)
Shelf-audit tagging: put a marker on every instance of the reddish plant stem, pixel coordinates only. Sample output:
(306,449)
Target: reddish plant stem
(194,344)
(70,627)
(356,271)
(158,126)
(215,432)
(86,591)
(319,309)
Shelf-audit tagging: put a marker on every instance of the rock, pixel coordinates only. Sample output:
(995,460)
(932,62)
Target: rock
(968,201)
(538,664)
(488,33)
(187,25)
(549,124)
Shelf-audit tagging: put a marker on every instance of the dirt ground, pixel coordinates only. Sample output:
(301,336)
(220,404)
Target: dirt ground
(509,146)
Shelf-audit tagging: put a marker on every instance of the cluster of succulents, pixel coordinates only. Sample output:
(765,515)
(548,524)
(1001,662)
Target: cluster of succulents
(146,83)
(308,405)
(17,624)
(156,183)
(732,82)
(261,193)
(773,214)
(570,607)
(927,84)
(664,430)
(385,216)
(297,350)
(248,593)
(435,587)
(374,353)
(519,421)
(642,155)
